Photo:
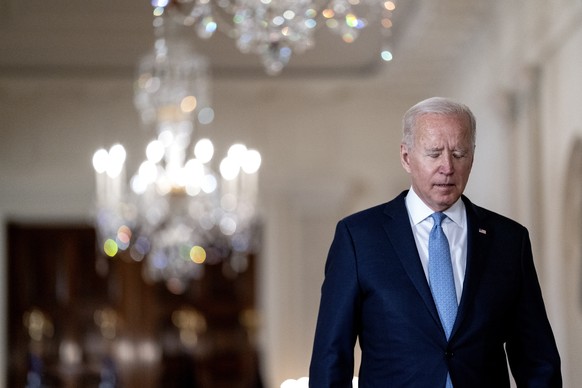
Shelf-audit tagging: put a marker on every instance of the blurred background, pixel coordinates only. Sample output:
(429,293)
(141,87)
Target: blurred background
(119,272)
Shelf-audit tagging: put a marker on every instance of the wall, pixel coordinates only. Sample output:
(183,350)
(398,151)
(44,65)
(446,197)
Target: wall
(524,74)
(561,93)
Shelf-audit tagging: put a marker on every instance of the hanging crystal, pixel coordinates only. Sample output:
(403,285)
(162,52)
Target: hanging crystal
(275,29)
(177,211)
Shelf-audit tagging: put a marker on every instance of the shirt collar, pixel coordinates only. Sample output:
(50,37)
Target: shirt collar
(419,211)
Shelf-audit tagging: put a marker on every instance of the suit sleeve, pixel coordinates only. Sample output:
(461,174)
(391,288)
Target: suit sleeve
(531,347)
(332,360)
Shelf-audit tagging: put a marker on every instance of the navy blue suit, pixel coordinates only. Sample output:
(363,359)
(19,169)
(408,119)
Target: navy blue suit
(375,289)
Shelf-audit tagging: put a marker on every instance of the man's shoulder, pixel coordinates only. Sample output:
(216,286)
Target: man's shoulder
(489,216)
(378,211)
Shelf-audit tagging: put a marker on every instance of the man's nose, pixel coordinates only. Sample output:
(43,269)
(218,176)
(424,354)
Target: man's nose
(447,165)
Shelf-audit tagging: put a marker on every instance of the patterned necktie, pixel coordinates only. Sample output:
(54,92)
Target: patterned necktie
(440,275)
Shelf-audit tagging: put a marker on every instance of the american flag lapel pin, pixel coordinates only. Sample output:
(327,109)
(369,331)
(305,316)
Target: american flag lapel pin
(482,231)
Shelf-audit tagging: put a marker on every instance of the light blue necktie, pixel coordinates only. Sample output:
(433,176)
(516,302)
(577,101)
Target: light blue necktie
(440,275)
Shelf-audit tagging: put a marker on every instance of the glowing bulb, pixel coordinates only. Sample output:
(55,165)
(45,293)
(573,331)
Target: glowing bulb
(117,154)
(166,137)
(155,151)
(251,161)
(204,150)
(237,152)
(138,184)
(116,159)
(229,168)
(100,160)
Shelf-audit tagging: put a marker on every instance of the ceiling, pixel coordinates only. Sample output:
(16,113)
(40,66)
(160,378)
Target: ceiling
(109,36)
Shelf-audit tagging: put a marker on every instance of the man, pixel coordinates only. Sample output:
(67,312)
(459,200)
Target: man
(386,280)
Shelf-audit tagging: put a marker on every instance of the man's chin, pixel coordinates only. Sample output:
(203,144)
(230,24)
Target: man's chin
(446,201)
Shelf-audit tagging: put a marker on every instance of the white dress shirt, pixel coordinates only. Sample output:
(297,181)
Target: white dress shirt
(454,227)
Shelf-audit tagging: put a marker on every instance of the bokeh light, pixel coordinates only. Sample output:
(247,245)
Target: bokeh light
(159,3)
(386,55)
(328,13)
(116,160)
(206,115)
(110,247)
(100,159)
(390,5)
(229,168)
(303,382)
(155,151)
(251,161)
(237,152)
(188,104)
(198,254)
(209,25)
(123,237)
(204,150)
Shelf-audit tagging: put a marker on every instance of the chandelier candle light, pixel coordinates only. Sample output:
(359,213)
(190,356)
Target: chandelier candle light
(176,210)
(274,29)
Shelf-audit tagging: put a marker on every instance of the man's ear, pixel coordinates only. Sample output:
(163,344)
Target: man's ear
(405,157)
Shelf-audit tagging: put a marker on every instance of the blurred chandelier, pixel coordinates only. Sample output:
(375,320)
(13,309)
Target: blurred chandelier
(177,210)
(274,29)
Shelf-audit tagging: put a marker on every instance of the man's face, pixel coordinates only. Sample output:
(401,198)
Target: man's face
(440,159)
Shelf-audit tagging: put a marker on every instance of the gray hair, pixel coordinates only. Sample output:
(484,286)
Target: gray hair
(436,105)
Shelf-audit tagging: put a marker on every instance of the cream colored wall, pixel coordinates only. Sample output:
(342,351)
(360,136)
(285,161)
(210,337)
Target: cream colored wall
(529,64)
(561,126)
(330,146)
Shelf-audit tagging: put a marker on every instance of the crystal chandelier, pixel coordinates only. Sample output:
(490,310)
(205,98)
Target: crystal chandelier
(274,29)
(176,210)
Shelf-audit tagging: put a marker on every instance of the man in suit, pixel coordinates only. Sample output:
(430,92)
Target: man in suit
(382,288)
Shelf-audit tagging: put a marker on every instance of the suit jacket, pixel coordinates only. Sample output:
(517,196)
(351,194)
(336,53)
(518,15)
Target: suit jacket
(375,289)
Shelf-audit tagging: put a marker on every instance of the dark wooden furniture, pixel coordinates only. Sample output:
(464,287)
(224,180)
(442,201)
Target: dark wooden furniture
(79,319)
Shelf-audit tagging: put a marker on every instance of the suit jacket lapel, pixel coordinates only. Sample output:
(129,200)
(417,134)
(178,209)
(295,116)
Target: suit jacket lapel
(478,236)
(399,231)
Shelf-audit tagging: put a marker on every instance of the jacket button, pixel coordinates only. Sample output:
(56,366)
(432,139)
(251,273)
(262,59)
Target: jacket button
(448,354)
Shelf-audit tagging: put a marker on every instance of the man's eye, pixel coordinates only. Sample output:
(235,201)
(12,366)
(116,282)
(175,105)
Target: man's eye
(458,155)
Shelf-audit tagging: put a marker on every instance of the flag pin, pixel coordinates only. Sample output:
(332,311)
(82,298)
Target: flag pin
(483,231)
